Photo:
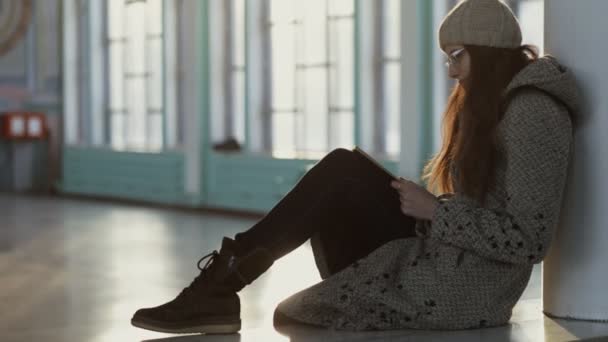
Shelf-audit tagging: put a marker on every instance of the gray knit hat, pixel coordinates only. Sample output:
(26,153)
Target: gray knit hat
(480,22)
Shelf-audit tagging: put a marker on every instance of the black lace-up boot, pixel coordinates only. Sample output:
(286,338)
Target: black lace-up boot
(210,304)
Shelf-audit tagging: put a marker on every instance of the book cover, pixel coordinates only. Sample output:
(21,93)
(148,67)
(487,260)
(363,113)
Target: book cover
(371,159)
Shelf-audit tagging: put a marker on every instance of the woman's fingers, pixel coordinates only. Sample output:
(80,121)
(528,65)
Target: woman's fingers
(406,209)
(406,202)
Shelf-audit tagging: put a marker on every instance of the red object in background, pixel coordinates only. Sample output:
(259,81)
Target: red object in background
(23,125)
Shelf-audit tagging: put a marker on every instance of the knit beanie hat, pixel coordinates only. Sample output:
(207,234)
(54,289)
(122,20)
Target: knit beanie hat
(480,22)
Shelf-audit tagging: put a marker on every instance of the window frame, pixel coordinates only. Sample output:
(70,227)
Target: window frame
(149,110)
(299,67)
(86,88)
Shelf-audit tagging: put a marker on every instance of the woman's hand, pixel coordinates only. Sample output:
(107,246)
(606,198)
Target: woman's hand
(416,201)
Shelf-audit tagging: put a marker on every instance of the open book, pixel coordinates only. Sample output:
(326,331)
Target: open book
(366,156)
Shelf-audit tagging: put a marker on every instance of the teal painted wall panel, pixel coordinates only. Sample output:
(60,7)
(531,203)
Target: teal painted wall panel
(251,182)
(154,177)
(237,181)
(131,170)
(254,182)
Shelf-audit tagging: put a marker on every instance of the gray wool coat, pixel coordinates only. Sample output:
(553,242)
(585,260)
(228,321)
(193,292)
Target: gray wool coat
(469,265)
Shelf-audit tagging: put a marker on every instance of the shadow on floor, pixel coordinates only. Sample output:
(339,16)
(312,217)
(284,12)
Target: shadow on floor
(300,333)
(202,338)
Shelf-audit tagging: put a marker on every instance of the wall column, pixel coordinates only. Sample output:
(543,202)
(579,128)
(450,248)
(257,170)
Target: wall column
(575,276)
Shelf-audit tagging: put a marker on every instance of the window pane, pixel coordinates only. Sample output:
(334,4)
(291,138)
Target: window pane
(117,127)
(313,92)
(154,16)
(283,132)
(154,59)
(135,34)
(392,105)
(283,67)
(342,128)
(136,113)
(116,18)
(154,54)
(392,28)
(134,77)
(239,105)
(312,31)
(238,31)
(342,63)
(116,55)
(341,7)
(238,82)
(391,76)
(282,11)
(155,131)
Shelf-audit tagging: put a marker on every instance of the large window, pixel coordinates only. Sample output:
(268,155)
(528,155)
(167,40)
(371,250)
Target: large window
(135,78)
(311,65)
(286,75)
(124,93)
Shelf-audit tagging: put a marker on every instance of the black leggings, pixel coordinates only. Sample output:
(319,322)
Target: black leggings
(346,200)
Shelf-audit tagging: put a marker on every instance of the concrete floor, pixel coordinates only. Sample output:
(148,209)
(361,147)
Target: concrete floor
(76,270)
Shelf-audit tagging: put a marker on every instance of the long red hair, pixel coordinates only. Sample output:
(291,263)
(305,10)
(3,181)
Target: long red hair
(470,120)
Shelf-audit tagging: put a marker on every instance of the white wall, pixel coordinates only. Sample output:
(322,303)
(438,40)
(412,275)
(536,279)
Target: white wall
(575,275)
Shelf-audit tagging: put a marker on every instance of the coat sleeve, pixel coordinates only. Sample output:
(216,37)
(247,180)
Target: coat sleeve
(537,148)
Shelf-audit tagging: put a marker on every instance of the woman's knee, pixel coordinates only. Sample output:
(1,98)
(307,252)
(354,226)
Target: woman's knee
(335,165)
(341,156)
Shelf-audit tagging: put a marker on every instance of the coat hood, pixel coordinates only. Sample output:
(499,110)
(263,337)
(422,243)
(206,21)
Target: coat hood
(548,75)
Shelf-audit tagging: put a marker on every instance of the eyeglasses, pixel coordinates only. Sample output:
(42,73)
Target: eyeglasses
(453,57)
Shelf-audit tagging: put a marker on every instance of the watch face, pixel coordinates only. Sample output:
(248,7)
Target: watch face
(14,19)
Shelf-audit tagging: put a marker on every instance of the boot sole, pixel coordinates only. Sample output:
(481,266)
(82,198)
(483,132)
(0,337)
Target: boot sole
(203,328)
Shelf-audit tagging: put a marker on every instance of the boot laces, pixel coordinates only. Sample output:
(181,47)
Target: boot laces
(212,256)
(199,280)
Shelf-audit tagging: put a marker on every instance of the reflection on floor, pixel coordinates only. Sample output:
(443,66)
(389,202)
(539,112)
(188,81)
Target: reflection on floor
(76,270)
